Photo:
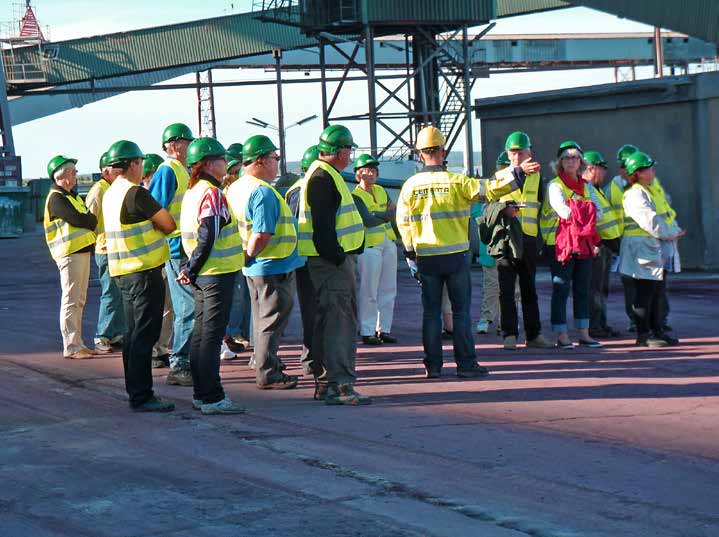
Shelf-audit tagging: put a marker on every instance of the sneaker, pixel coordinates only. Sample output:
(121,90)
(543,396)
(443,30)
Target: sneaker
(589,344)
(510,343)
(345,394)
(226,406)
(475,371)
(154,404)
(565,346)
(320,391)
(103,345)
(240,340)
(82,354)
(252,364)
(433,372)
(371,340)
(117,341)
(385,337)
(232,345)
(179,377)
(539,343)
(650,341)
(226,353)
(161,361)
(197,404)
(671,341)
(285,382)
(482,327)
(447,335)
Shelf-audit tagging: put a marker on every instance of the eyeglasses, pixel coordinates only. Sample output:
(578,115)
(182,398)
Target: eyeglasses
(276,157)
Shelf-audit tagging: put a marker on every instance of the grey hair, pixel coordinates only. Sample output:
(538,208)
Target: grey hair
(58,173)
(557,167)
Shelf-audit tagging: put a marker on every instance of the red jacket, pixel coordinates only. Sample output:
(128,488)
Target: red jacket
(578,236)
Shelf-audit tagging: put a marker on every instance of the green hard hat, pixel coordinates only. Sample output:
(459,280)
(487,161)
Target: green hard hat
(56,162)
(624,151)
(204,147)
(637,161)
(176,131)
(123,150)
(151,163)
(233,162)
(596,158)
(502,160)
(569,144)
(103,161)
(255,147)
(517,140)
(335,138)
(234,151)
(365,160)
(312,154)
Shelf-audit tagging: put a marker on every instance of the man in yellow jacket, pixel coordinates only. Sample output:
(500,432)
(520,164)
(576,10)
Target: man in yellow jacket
(433,212)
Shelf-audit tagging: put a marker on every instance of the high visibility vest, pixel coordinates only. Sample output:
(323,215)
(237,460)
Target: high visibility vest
(529,196)
(348,222)
(659,196)
(616,194)
(549,219)
(62,238)
(376,201)
(631,228)
(100,243)
(183,179)
(226,254)
(283,241)
(609,226)
(130,247)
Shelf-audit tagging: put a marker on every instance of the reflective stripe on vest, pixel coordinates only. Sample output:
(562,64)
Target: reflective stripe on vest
(529,196)
(62,238)
(130,247)
(375,201)
(183,179)
(548,219)
(608,226)
(226,254)
(100,243)
(348,223)
(631,228)
(284,239)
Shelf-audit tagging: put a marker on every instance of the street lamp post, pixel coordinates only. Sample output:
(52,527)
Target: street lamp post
(256,122)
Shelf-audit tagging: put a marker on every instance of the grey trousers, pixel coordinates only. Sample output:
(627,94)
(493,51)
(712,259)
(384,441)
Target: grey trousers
(336,323)
(271,297)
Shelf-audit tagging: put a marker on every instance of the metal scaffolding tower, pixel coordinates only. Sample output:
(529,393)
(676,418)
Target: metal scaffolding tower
(205,104)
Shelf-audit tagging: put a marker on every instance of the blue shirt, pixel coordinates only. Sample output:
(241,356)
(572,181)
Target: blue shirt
(263,209)
(162,187)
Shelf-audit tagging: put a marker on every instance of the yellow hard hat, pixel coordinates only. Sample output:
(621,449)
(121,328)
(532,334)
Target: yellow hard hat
(429,137)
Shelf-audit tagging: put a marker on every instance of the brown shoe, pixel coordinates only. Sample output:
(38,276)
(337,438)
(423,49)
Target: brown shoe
(82,354)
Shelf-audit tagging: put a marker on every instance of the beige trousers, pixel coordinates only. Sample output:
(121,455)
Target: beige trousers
(74,276)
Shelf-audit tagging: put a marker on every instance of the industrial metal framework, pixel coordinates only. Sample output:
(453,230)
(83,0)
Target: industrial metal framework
(205,104)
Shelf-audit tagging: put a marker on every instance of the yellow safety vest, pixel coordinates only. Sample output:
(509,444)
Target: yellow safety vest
(62,238)
(376,201)
(348,222)
(183,179)
(130,247)
(529,196)
(616,194)
(284,239)
(226,254)
(659,196)
(548,219)
(100,243)
(610,225)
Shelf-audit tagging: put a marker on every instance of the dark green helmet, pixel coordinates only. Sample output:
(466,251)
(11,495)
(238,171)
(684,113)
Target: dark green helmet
(255,147)
(234,151)
(568,144)
(312,154)
(624,151)
(204,147)
(56,162)
(103,161)
(151,163)
(365,160)
(335,138)
(502,160)
(637,161)
(595,158)
(232,163)
(176,131)
(122,151)
(516,141)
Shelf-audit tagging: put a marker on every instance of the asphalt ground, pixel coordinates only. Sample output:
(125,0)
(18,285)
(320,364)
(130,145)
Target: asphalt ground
(616,441)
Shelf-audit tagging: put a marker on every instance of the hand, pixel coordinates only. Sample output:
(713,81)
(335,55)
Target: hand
(511,211)
(183,278)
(679,235)
(529,166)
(391,206)
(596,251)
(412,264)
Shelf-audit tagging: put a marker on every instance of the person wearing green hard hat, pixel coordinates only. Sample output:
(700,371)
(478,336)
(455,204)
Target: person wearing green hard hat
(234,151)
(136,227)
(211,240)
(70,236)
(310,155)
(377,265)
(111,317)
(649,248)
(168,186)
(150,164)
(234,165)
(502,161)
(269,233)
(610,231)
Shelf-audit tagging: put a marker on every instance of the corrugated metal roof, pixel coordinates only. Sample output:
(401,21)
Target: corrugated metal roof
(430,11)
(510,8)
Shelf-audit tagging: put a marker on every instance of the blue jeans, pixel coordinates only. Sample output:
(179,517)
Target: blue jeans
(241,310)
(459,288)
(576,273)
(111,317)
(183,304)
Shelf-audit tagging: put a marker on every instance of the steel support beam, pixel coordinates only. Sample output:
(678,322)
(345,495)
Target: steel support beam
(469,144)
(277,53)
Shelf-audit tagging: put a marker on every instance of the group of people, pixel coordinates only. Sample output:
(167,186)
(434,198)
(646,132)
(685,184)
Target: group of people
(206,227)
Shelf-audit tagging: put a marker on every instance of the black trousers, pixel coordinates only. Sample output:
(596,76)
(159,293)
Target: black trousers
(628,283)
(308,305)
(599,291)
(143,299)
(213,298)
(508,270)
(647,306)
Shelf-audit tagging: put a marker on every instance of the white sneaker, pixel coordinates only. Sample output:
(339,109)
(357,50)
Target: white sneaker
(102,344)
(226,406)
(482,327)
(226,353)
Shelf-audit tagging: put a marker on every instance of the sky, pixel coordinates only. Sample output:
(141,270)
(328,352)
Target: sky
(141,116)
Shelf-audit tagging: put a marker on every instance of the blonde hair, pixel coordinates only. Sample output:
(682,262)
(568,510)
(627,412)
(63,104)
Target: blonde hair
(557,164)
